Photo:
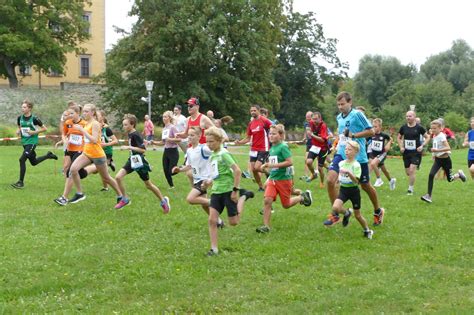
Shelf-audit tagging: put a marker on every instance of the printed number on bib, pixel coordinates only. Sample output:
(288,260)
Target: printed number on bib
(342,139)
(195,172)
(410,144)
(377,146)
(436,144)
(471,145)
(253,153)
(315,149)
(136,161)
(75,139)
(165,135)
(24,132)
(214,169)
(273,159)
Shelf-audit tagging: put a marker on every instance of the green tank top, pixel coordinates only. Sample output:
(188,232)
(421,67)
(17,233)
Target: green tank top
(109,150)
(26,125)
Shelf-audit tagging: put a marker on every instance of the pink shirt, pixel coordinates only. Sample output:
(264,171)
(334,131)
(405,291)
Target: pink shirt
(149,128)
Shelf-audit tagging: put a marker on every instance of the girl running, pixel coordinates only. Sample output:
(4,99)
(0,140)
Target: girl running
(380,144)
(225,185)
(280,181)
(441,153)
(170,141)
(137,163)
(469,142)
(93,153)
(29,126)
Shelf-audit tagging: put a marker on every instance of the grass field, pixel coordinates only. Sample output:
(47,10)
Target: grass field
(88,257)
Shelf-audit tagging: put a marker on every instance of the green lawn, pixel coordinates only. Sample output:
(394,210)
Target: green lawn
(91,258)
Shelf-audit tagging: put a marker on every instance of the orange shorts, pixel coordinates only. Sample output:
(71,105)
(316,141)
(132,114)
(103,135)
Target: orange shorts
(279,187)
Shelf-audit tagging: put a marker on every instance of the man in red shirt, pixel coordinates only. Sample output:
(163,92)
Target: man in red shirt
(318,132)
(196,119)
(257,133)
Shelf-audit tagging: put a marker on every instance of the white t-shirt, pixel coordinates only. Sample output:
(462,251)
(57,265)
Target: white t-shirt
(438,144)
(198,159)
(181,123)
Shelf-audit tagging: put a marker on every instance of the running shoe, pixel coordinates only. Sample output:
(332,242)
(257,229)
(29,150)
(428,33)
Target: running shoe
(18,185)
(124,201)
(105,189)
(246,174)
(112,166)
(368,234)
(165,205)
(426,198)
(378,182)
(332,220)
(61,201)
(220,224)
(77,197)
(378,217)
(307,198)
(260,189)
(211,253)
(263,229)
(393,183)
(247,193)
(51,155)
(347,216)
(409,192)
(461,175)
(304,177)
(262,210)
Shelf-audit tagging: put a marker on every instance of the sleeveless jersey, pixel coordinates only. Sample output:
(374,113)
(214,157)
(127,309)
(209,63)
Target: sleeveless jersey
(25,126)
(92,150)
(105,134)
(197,122)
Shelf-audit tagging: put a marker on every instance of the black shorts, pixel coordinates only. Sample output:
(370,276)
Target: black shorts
(469,163)
(262,157)
(72,154)
(219,201)
(142,171)
(379,156)
(352,194)
(411,158)
(321,157)
(198,187)
(29,150)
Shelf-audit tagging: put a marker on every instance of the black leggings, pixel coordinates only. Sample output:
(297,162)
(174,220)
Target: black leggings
(29,154)
(446,165)
(170,160)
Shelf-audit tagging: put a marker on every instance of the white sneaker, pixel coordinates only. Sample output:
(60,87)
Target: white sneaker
(378,182)
(461,175)
(393,182)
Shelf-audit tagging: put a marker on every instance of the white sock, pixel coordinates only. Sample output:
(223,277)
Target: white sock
(215,250)
(411,188)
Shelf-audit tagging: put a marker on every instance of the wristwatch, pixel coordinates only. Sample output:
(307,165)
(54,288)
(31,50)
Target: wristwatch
(235,189)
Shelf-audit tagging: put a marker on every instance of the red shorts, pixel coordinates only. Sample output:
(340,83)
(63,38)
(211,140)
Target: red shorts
(279,187)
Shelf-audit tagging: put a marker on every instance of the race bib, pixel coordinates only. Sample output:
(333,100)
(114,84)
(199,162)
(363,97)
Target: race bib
(342,139)
(436,145)
(471,145)
(75,139)
(214,169)
(315,149)
(290,171)
(136,161)
(273,159)
(377,146)
(410,144)
(24,131)
(195,172)
(86,140)
(344,179)
(166,134)
(253,153)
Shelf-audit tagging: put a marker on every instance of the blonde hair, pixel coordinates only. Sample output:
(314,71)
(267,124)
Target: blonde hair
(377,120)
(216,133)
(93,109)
(170,115)
(354,144)
(280,129)
(196,129)
(437,122)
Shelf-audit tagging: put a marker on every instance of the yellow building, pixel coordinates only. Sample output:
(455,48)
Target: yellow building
(78,68)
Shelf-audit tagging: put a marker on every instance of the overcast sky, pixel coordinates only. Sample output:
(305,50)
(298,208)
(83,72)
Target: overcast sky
(410,30)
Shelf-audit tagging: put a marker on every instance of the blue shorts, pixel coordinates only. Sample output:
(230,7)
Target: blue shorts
(364,176)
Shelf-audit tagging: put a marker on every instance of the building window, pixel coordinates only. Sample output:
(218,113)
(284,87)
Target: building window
(87,18)
(54,73)
(85,66)
(24,70)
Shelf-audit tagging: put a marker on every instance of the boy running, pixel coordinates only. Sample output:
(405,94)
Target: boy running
(280,181)
(29,126)
(469,142)
(349,174)
(137,163)
(441,153)
(380,144)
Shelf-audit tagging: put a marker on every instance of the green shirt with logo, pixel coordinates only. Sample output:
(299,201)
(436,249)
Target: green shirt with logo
(26,124)
(221,172)
(278,154)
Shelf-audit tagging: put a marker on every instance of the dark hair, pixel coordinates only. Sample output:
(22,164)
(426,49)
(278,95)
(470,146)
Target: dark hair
(132,119)
(28,103)
(256,106)
(178,107)
(346,95)
(264,111)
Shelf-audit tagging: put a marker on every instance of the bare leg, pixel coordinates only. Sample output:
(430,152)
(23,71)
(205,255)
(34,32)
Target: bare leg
(372,193)
(332,189)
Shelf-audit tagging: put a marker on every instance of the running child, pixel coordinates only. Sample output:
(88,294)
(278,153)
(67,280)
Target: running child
(137,163)
(380,144)
(469,141)
(29,126)
(441,152)
(225,183)
(280,181)
(349,174)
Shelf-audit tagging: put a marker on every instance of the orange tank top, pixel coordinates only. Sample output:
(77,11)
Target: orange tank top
(75,137)
(92,150)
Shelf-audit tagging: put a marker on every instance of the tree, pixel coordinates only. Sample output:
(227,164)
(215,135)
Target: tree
(221,51)
(377,74)
(39,33)
(307,65)
(455,65)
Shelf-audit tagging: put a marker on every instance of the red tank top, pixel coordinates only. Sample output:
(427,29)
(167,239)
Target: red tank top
(197,122)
